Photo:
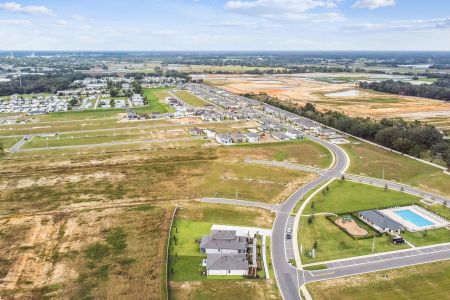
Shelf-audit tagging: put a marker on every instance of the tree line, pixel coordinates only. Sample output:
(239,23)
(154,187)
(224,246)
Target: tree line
(49,83)
(412,138)
(439,90)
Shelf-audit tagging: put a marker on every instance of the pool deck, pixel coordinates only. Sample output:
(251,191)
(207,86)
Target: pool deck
(433,219)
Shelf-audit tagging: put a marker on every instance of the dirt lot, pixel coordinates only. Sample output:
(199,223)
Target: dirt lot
(302,89)
(103,253)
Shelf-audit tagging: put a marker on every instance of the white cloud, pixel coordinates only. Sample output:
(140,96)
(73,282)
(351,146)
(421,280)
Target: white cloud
(17,22)
(30,10)
(372,4)
(280,5)
(405,25)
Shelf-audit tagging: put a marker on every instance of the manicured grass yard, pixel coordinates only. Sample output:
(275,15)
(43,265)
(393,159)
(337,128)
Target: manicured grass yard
(371,161)
(430,281)
(194,220)
(347,196)
(191,99)
(333,243)
(428,237)
(155,96)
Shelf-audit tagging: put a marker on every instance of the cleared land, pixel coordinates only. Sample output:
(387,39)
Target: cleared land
(372,161)
(102,253)
(191,99)
(430,281)
(302,88)
(192,222)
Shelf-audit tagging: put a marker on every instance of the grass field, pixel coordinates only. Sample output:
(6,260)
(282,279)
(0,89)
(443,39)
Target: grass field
(99,137)
(371,161)
(155,96)
(191,99)
(347,196)
(333,243)
(304,152)
(91,114)
(8,142)
(430,281)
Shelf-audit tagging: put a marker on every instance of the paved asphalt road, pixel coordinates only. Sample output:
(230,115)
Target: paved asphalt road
(18,145)
(239,202)
(119,143)
(379,262)
(288,277)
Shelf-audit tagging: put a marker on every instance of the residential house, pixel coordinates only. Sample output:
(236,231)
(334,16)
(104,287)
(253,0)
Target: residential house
(224,139)
(223,241)
(227,264)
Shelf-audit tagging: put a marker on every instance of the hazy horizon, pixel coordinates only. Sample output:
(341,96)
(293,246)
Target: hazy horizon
(225,25)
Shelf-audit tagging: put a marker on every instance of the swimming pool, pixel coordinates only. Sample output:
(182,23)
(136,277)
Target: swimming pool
(414,218)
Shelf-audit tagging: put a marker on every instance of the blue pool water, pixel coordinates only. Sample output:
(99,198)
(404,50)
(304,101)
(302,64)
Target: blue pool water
(412,217)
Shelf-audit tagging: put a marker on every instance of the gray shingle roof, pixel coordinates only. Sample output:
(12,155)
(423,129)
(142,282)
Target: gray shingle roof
(380,219)
(224,239)
(221,261)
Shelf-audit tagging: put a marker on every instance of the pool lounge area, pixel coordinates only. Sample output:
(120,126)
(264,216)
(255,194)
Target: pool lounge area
(415,218)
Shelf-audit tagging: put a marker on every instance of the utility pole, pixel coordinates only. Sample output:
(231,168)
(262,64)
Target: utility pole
(373,245)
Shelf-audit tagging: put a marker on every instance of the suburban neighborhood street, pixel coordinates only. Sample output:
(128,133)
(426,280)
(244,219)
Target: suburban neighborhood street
(288,277)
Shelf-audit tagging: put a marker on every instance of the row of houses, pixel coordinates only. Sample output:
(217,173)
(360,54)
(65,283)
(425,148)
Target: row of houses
(34,106)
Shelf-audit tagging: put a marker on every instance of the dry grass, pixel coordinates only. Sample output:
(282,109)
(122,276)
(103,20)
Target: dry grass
(54,255)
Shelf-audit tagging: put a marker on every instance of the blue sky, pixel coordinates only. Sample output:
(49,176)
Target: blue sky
(225,25)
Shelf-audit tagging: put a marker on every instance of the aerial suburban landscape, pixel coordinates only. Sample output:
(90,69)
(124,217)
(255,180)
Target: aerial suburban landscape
(192,158)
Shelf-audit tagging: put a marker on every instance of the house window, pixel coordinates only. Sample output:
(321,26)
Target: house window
(218,250)
(229,271)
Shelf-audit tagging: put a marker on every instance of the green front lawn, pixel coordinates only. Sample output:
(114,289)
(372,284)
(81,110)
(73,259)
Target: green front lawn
(155,96)
(333,243)
(346,196)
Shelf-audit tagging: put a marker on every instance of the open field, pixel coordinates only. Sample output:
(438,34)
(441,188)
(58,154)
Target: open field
(191,99)
(8,142)
(372,161)
(430,281)
(347,196)
(99,137)
(194,220)
(302,88)
(81,115)
(155,97)
(106,253)
(57,179)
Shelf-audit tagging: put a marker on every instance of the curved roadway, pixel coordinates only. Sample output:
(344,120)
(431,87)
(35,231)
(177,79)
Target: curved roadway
(289,278)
